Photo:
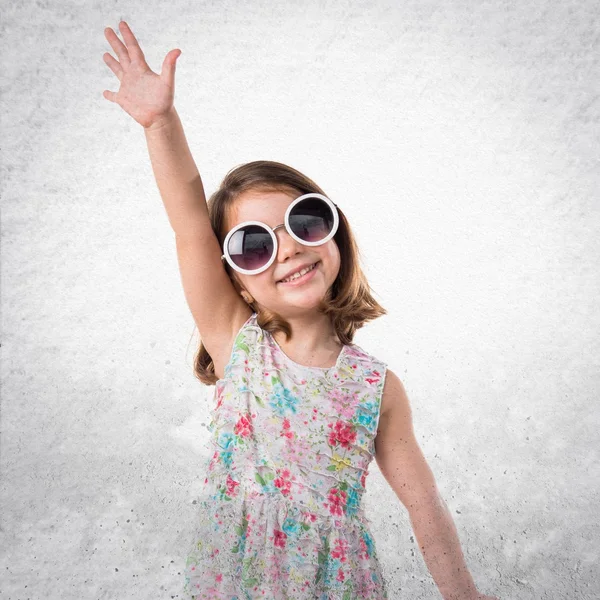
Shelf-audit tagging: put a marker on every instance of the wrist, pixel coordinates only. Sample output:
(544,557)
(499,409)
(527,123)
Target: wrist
(165,119)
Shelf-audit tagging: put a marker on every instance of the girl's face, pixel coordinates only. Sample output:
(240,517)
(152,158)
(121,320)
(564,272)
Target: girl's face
(265,288)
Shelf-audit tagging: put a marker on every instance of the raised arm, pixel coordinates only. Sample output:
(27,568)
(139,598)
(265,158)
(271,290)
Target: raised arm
(216,307)
(177,178)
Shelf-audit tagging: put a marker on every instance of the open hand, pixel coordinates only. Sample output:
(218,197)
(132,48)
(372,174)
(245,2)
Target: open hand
(143,94)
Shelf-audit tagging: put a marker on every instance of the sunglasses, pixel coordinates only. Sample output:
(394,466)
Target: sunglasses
(250,247)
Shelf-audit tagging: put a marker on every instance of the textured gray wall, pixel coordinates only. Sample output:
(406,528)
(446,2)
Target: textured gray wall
(461,139)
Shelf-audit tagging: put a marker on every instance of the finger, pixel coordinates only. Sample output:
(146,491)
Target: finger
(112,96)
(117,45)
(168,68)
(135,52)
(113,65)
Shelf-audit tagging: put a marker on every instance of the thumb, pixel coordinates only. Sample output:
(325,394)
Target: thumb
(168,68)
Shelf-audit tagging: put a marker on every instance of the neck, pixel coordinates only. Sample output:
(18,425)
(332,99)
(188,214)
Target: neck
(312,336)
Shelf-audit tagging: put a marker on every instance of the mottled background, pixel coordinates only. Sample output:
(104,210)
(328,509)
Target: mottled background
(461,140)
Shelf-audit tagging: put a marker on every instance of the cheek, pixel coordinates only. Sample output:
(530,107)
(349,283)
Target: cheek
(256,284)
(333,254)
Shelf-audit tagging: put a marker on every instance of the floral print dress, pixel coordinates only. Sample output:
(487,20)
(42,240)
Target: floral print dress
(280,513)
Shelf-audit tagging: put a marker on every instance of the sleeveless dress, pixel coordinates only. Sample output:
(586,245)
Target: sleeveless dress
(280,515)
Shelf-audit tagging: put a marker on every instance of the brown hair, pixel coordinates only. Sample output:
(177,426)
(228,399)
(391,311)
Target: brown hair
(348,301)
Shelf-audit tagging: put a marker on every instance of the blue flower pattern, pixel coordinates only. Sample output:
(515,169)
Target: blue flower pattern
(280,514)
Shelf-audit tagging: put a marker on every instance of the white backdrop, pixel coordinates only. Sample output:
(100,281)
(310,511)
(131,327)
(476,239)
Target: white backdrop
(460,139)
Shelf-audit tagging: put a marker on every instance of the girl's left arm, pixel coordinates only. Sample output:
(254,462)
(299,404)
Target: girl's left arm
(404,467)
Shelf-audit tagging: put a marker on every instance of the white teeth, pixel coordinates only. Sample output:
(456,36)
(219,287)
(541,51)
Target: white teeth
(299,273)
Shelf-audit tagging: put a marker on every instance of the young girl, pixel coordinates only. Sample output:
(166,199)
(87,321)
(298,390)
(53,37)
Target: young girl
(271,274)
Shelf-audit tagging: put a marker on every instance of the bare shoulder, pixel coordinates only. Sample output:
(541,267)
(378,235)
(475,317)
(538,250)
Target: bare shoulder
(394,399)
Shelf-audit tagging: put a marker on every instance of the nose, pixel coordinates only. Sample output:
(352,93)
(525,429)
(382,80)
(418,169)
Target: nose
(287,245)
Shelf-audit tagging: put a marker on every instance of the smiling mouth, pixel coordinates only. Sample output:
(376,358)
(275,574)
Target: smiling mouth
(312,268)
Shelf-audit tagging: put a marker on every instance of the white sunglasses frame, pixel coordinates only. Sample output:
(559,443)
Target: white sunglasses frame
(336,222)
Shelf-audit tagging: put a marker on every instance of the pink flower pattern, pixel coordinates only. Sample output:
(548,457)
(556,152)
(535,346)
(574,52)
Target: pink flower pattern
(280,513)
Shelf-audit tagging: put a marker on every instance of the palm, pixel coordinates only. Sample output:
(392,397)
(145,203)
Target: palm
(143,94)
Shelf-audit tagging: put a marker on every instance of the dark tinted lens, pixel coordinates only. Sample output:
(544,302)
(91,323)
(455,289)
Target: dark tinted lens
(311,219)
(250,247)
